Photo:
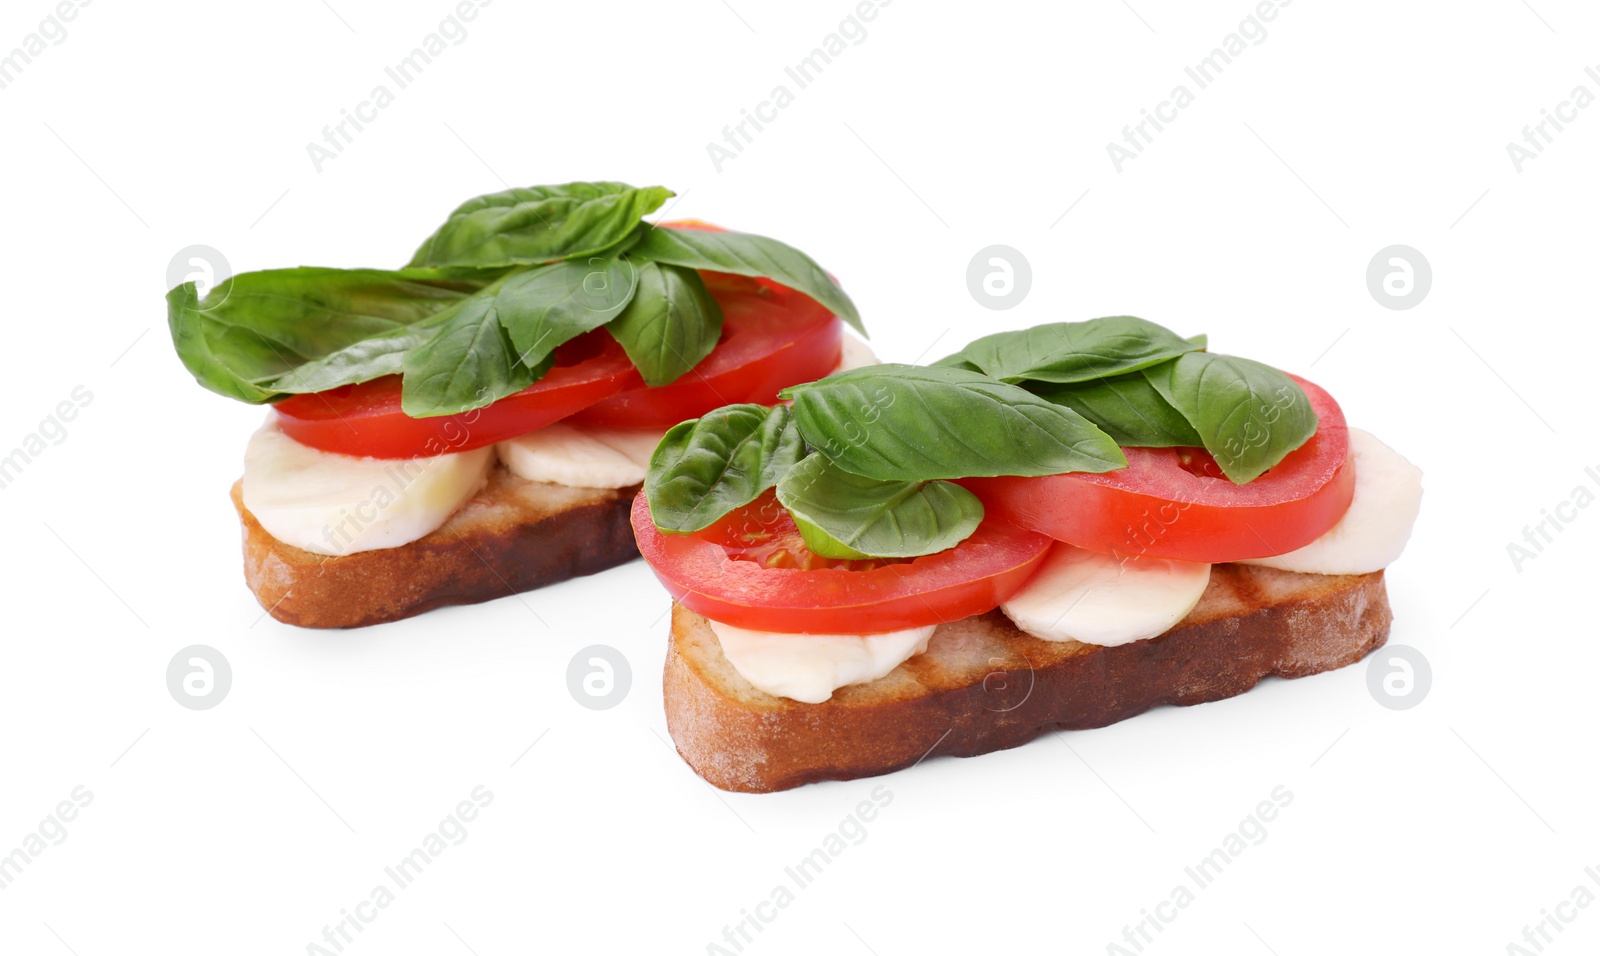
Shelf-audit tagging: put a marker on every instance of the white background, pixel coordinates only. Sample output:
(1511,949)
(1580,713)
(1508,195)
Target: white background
(1352,126)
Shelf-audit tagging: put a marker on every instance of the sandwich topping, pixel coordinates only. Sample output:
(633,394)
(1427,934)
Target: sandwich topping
(1080,477)
(581,457)
(810,667)
(525,309)
(1374,529)
(339,504)
(1083,595)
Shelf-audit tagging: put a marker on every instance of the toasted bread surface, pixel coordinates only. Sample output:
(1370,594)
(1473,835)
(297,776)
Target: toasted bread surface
(513,536)
(983,685)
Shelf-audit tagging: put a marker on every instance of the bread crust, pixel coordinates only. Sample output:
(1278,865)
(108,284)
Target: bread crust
(983,685)
(513,536)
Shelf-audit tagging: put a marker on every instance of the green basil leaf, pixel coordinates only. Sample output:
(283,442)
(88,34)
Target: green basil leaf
(468,363)
(670,324)
(957,361)
(374,357)
(711,465)
(358,362)
(256,328)
(1198,341)
(844,515)
(539,224)
(549,305)
(910,423)
(1248,415)
(1128,408)
(1065,352)
(749,255)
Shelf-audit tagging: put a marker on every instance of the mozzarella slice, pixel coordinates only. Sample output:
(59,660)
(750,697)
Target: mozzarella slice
(1080,595)
(335,504)
(1375,530)
(581,457)
(810,667)
(595,457)
(854,353)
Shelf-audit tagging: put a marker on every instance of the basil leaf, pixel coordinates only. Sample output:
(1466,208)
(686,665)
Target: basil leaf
(469,363)
(1248,415)
(843,515)
(957,361)
(1065,352)
(539,224)
(256,328)
(670,324)
(546,306)
(707,467)
(910,423)
(1128,408)
(358,362)
(749,255)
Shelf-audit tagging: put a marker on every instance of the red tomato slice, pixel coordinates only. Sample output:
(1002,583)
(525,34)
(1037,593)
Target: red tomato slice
(366,419)
(772,337)
(754,572)
(1175,502)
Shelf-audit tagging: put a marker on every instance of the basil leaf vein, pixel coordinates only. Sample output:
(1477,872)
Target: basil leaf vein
(844,515)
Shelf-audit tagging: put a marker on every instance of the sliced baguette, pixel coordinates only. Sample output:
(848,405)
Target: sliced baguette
(515,535)
(983,685)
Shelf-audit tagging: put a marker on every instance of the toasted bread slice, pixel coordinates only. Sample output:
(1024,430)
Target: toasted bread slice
(515,535)
(983,685)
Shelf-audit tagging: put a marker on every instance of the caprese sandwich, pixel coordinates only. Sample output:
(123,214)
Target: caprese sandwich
(1056,528)
(475,424)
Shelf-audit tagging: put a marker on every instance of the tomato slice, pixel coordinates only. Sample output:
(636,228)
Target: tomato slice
(772,337)
(753,571)
(367,419)
(1175,502)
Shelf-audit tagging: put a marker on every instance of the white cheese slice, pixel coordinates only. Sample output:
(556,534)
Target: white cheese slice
(854,353)
(586,457)
(1375,530)
(334,504)
(596,457)
(810,667)
(1080,595)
